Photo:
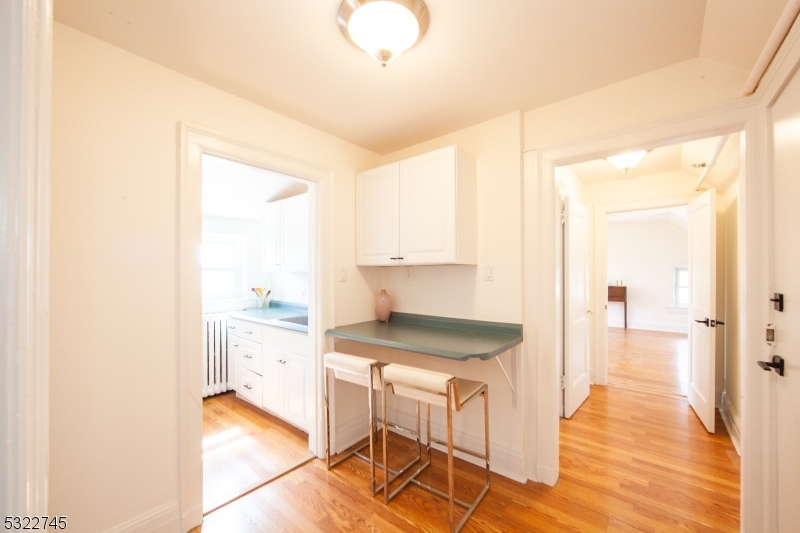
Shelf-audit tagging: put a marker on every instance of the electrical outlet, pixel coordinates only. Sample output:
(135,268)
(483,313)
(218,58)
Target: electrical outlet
(409,273)
(488,273)
(343,274)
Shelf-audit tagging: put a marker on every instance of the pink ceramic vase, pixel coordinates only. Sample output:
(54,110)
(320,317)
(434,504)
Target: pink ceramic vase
(383,306)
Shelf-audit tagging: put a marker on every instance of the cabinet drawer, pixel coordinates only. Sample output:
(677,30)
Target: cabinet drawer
(287,340)
(245,330)
(250,388)
(250,357)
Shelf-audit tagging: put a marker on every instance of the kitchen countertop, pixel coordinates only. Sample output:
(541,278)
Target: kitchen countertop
(451,338)
(275,314)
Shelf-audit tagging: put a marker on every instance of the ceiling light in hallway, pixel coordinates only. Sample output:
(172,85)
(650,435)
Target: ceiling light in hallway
(626,162)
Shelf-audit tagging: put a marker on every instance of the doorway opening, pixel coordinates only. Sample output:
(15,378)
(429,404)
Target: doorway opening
(648,300)
(257,347)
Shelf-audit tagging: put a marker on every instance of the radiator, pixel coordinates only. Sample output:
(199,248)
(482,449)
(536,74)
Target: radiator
(215,354)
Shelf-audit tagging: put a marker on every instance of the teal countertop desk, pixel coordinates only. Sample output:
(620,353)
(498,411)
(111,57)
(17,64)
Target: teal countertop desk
(451,338)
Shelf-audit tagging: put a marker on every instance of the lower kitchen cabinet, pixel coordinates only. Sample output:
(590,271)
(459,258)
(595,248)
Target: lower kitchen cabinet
(285,381)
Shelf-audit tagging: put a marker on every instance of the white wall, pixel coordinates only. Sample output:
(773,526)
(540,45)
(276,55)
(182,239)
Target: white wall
(113,338)
(643,255)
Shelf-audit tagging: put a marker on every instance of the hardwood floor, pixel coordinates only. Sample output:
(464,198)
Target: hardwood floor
(243,446)
(649,360)
(631,461)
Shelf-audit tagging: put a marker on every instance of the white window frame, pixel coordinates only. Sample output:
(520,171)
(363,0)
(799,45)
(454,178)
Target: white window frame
(675,277)
(239,270)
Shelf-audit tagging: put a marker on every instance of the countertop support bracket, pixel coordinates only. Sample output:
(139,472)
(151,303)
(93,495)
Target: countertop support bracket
(513,378)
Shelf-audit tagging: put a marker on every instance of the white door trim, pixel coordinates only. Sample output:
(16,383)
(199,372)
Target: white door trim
(600,272)
(541,302)
(25,89)
(193,142)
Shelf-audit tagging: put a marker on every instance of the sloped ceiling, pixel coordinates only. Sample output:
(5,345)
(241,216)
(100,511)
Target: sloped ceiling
(478,60)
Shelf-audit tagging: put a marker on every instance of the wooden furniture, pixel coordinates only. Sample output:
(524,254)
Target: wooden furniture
(286,235)
(419,211)
(274,368)
(619,294)
(450,393)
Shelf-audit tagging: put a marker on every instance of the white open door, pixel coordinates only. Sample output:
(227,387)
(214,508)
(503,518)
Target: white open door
(785,390)
(576,306)
(702,306)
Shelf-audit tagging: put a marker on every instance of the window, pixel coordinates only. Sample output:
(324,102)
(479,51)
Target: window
(681,293)
(222,263)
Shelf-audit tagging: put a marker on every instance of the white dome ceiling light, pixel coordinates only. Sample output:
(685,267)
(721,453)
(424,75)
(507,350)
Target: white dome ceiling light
(626,162)
(384,29)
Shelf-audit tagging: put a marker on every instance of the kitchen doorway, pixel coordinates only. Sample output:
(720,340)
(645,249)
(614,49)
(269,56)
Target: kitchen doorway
(255,308)
(301,410)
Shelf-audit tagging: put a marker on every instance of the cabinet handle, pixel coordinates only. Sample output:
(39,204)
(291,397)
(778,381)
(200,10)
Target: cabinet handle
(235,345)
(231,327)
(248,332)
(246,386)
(281,361)
(395,258)
(248,356)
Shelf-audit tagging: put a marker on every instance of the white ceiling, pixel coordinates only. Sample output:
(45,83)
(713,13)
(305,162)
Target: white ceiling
(675,215)
(479,59)
(234,190)
(678,157)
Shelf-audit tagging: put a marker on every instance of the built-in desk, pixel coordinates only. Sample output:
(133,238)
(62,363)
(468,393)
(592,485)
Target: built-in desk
(451,338)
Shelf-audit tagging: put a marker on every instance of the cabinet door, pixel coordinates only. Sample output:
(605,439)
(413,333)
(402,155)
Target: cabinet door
(274,362)
(428,208)
(294,234)
(296,368)
(377,216)
(272,240)
(234,358)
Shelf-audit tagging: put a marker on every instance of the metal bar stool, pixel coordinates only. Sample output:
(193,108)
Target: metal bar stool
(366,373)
(449,392)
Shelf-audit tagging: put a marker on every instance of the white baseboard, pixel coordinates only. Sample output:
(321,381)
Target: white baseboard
(192,517)
(650,326)
(504,461)
(546,475)
(732,422)
(164,518)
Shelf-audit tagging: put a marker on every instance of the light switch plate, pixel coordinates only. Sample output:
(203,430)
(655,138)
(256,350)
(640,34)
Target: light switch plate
(488,272)
(409,273)
(343,274)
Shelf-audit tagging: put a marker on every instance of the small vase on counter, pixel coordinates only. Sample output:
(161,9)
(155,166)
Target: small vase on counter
(383,306)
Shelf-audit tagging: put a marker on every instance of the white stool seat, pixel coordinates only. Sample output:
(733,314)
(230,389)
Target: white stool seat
(451,393)
(353,369)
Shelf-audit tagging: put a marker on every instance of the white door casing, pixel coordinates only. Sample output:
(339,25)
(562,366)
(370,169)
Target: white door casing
(702,306)
(785,258)
(576,306)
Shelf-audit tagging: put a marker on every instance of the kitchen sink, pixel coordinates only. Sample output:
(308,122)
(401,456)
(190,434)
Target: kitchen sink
(302,320)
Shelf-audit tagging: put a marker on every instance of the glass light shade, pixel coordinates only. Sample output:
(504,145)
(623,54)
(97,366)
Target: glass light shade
(383,29)
(627,161)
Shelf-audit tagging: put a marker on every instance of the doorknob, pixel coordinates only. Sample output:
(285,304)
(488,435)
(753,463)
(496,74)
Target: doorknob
(777,364)
(706,321)
(590,311)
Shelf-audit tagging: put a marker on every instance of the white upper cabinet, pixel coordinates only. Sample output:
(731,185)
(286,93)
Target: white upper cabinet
(378,216)
(294,234)
(286,235)
(419,211)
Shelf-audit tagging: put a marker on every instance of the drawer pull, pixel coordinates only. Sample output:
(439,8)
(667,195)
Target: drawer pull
(231,327)
(246,386)
(248,356)
(282,361)
(235,345)
(248,332)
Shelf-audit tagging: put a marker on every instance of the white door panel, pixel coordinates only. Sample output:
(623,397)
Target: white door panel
(702,306)
(576,308)
(786,257)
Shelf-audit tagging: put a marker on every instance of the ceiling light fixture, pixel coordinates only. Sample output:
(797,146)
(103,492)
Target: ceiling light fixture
(384,29)
(626,162)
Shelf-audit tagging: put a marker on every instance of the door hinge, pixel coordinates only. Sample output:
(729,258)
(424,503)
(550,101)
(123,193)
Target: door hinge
(563,218)
(562,383)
